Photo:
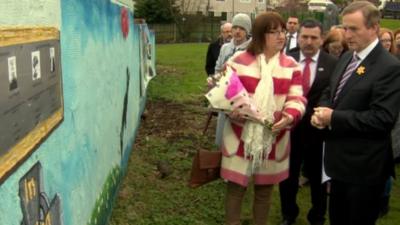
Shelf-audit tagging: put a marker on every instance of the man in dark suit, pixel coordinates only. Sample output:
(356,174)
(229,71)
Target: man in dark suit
(359,110)
(306,141)
(292,25)
(215,47)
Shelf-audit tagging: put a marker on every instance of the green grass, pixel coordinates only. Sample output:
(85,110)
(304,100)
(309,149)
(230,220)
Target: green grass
(392,24)
(182,72)
(171,133)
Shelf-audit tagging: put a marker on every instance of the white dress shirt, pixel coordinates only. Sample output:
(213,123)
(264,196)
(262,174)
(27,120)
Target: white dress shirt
(293,40)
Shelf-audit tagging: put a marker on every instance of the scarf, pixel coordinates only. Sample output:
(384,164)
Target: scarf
(258,138)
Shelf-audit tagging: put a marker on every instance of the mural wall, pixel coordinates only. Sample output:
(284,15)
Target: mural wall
(105,60)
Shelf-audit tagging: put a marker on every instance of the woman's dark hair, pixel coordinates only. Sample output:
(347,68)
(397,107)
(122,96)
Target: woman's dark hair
(264,23)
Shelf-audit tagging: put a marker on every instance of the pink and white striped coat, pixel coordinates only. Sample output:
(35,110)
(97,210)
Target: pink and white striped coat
(288,95)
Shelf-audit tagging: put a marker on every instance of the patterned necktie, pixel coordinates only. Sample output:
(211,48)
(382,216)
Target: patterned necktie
(346,75)
(288,42)
(306,76)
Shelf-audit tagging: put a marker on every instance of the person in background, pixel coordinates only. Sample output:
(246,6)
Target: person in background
(396,129)
(386,39)
(396,36)
(331,16)
(335,43)
(306,140)
(358,111)
(337,27)
(292,25)
(252,152)
(241,30)
(215,47)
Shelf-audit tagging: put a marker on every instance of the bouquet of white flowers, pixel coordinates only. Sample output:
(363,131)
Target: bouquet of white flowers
(228,94)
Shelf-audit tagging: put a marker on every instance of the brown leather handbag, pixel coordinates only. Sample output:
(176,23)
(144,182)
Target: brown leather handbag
(205,167)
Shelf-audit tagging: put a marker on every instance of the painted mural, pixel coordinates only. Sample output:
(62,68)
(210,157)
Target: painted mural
(72,176)
(35,204)
(32,104)
(147,54)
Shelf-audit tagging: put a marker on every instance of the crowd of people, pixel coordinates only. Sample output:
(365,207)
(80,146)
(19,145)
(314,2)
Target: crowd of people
(334,100)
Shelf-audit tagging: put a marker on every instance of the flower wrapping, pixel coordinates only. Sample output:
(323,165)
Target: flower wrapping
(229,94)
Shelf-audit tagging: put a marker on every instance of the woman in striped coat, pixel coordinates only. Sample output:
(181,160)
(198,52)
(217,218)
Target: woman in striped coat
(251,150)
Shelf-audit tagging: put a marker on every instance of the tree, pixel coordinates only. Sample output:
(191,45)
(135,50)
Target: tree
(156,11)
(291,6)
(186,21)
(179,12)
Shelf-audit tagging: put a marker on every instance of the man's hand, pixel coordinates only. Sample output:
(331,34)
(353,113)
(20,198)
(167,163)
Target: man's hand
(315,122)
(321,117)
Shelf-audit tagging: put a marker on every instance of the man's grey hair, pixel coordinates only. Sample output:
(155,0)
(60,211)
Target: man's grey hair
(369,11)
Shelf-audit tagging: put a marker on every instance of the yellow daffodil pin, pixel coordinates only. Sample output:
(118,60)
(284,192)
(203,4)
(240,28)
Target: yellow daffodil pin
(360,70)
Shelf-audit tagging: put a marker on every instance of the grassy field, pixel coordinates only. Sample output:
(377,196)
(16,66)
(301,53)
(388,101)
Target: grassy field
(390,23)
(170,135)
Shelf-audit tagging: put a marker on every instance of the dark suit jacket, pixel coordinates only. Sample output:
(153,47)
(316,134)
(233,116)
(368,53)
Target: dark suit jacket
(306,140)
(325,66)
(212,55)
(358,146)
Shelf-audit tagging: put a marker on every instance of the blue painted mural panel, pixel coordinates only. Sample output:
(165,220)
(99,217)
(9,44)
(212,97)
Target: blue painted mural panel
(81,162)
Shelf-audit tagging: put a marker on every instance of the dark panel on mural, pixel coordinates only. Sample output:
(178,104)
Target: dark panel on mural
(34,201)
(53,216)
(30,95)
(29,89)
(29,193)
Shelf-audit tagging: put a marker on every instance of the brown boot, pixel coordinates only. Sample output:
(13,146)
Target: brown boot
(262,203)
(233,203)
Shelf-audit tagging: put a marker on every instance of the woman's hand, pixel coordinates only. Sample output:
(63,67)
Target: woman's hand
(210,82)
(284,122)
(213,79)
(235,115)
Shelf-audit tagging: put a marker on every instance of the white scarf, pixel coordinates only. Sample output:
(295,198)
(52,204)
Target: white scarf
(258,139)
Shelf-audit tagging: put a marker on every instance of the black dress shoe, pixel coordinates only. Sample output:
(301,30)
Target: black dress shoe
(384,206)
(287,222)
(317,223)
